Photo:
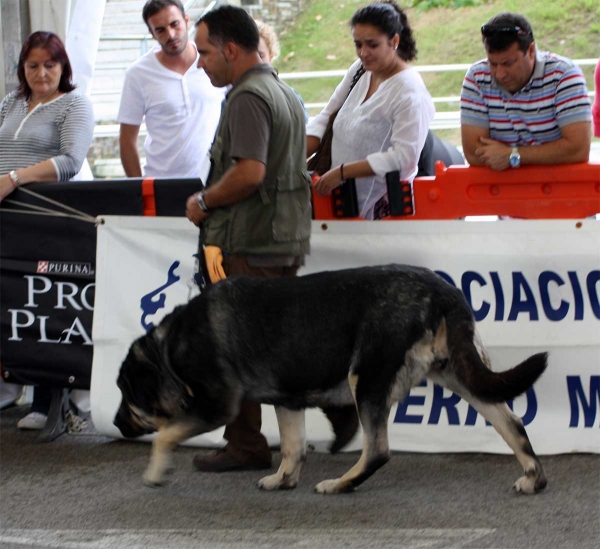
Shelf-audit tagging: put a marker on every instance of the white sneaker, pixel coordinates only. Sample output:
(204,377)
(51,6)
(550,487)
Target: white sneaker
(33,421)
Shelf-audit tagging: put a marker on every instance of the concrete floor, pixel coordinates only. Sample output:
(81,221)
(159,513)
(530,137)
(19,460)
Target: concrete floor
(85,492)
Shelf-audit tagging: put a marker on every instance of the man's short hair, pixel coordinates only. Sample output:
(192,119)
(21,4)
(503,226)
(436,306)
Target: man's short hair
(152,7)
(231,24)
(504,29)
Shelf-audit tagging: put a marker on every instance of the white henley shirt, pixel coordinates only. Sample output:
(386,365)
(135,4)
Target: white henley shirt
(181,114)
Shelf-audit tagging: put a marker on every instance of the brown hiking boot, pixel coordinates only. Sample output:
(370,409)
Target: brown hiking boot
(222,461)
(344,420)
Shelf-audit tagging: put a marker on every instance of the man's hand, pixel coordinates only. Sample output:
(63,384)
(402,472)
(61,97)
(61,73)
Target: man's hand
(193,211)
(493,154)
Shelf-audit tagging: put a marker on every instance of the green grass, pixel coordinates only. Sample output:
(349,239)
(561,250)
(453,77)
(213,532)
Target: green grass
(320,40)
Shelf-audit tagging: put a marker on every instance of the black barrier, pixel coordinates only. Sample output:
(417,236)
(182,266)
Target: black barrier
(47,274)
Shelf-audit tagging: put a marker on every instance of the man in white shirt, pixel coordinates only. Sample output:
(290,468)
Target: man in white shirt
(180,106)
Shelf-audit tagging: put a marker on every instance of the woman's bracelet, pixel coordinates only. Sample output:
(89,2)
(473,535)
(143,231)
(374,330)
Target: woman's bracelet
(12,175)
(342,172)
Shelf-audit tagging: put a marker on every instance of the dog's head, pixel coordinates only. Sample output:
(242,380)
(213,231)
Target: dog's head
(152,393)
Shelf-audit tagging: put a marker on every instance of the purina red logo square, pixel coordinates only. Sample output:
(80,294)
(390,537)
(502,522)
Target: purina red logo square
(65,268)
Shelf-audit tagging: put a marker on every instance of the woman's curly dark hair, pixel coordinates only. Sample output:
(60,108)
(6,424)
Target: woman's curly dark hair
(391,19)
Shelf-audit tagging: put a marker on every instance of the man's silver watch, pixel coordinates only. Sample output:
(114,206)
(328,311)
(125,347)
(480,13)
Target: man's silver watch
(201,204)
(515,158)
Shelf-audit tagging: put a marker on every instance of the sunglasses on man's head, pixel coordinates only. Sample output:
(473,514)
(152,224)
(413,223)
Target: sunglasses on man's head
(491,30)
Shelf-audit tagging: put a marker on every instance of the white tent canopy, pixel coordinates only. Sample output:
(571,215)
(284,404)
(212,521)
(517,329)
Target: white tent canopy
(77,22)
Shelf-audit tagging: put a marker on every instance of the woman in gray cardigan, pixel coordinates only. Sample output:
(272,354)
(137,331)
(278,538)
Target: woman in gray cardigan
(45,128)
(45,133)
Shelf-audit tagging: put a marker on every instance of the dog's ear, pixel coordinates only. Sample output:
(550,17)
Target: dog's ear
(173,401)
(140,379)
(174,393)
(153,386)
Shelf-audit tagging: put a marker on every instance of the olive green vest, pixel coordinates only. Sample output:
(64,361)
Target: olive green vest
(276,220)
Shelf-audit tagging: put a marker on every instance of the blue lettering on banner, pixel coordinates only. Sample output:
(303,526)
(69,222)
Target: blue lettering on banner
(402,415)
(522,306)
(578,397)
(448,404)
(577,295)
(591,282)
(544,280)
(465,283)
(523,300)
(499,296)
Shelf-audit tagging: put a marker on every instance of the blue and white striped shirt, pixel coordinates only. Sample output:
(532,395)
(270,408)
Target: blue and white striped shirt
(555,96)
(60,130)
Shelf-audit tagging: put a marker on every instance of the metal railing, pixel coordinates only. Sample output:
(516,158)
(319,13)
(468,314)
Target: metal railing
(442,120)
(463,67)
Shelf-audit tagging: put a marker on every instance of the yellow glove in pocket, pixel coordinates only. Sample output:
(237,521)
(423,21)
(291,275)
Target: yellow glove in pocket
(214,263)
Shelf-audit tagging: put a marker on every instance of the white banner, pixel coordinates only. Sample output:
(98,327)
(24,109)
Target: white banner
(533,286)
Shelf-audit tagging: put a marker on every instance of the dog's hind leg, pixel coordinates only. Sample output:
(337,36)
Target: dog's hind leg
(168,437)
(511,429)
(292,432)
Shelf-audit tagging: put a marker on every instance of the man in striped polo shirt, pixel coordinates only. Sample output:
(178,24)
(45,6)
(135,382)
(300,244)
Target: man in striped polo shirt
(520,105)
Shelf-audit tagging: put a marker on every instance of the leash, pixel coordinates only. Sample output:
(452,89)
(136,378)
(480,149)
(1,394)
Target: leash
(71,212)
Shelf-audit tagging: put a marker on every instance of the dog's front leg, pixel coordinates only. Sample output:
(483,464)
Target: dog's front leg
(292,433)
(168,437)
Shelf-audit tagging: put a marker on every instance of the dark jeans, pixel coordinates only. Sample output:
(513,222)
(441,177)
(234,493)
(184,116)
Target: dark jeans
(41,400)
(243,433)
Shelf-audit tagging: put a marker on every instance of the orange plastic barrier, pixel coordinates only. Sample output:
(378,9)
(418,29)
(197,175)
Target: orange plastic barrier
(148,197)
(531,192)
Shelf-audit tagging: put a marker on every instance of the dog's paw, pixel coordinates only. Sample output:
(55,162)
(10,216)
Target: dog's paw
(275,482)
(154,479)
(529,484)
(335,486)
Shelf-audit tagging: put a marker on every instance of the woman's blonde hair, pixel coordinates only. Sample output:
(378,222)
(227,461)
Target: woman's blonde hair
(267,33)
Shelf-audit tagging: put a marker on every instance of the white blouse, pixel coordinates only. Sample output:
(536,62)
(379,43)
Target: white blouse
(388,130)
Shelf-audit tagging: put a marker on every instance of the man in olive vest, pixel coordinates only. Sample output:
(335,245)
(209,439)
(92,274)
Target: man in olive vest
(256,207)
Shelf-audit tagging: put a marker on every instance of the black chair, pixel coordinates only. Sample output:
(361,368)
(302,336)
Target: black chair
(435,149)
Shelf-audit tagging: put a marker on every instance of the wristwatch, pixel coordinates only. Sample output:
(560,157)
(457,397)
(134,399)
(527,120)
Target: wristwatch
(515,158)
(201,204)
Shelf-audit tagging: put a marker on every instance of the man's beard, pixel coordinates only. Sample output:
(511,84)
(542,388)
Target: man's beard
(176,52)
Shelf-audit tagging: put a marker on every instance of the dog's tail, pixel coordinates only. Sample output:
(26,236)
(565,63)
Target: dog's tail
(470,369)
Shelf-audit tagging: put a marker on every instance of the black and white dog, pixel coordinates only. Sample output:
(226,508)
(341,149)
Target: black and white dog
(362,335)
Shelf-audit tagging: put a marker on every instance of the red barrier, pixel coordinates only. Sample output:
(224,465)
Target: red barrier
(531,192)
(148,197)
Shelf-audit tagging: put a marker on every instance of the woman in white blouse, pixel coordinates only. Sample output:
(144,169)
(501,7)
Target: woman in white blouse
(45,128)
(383,123)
